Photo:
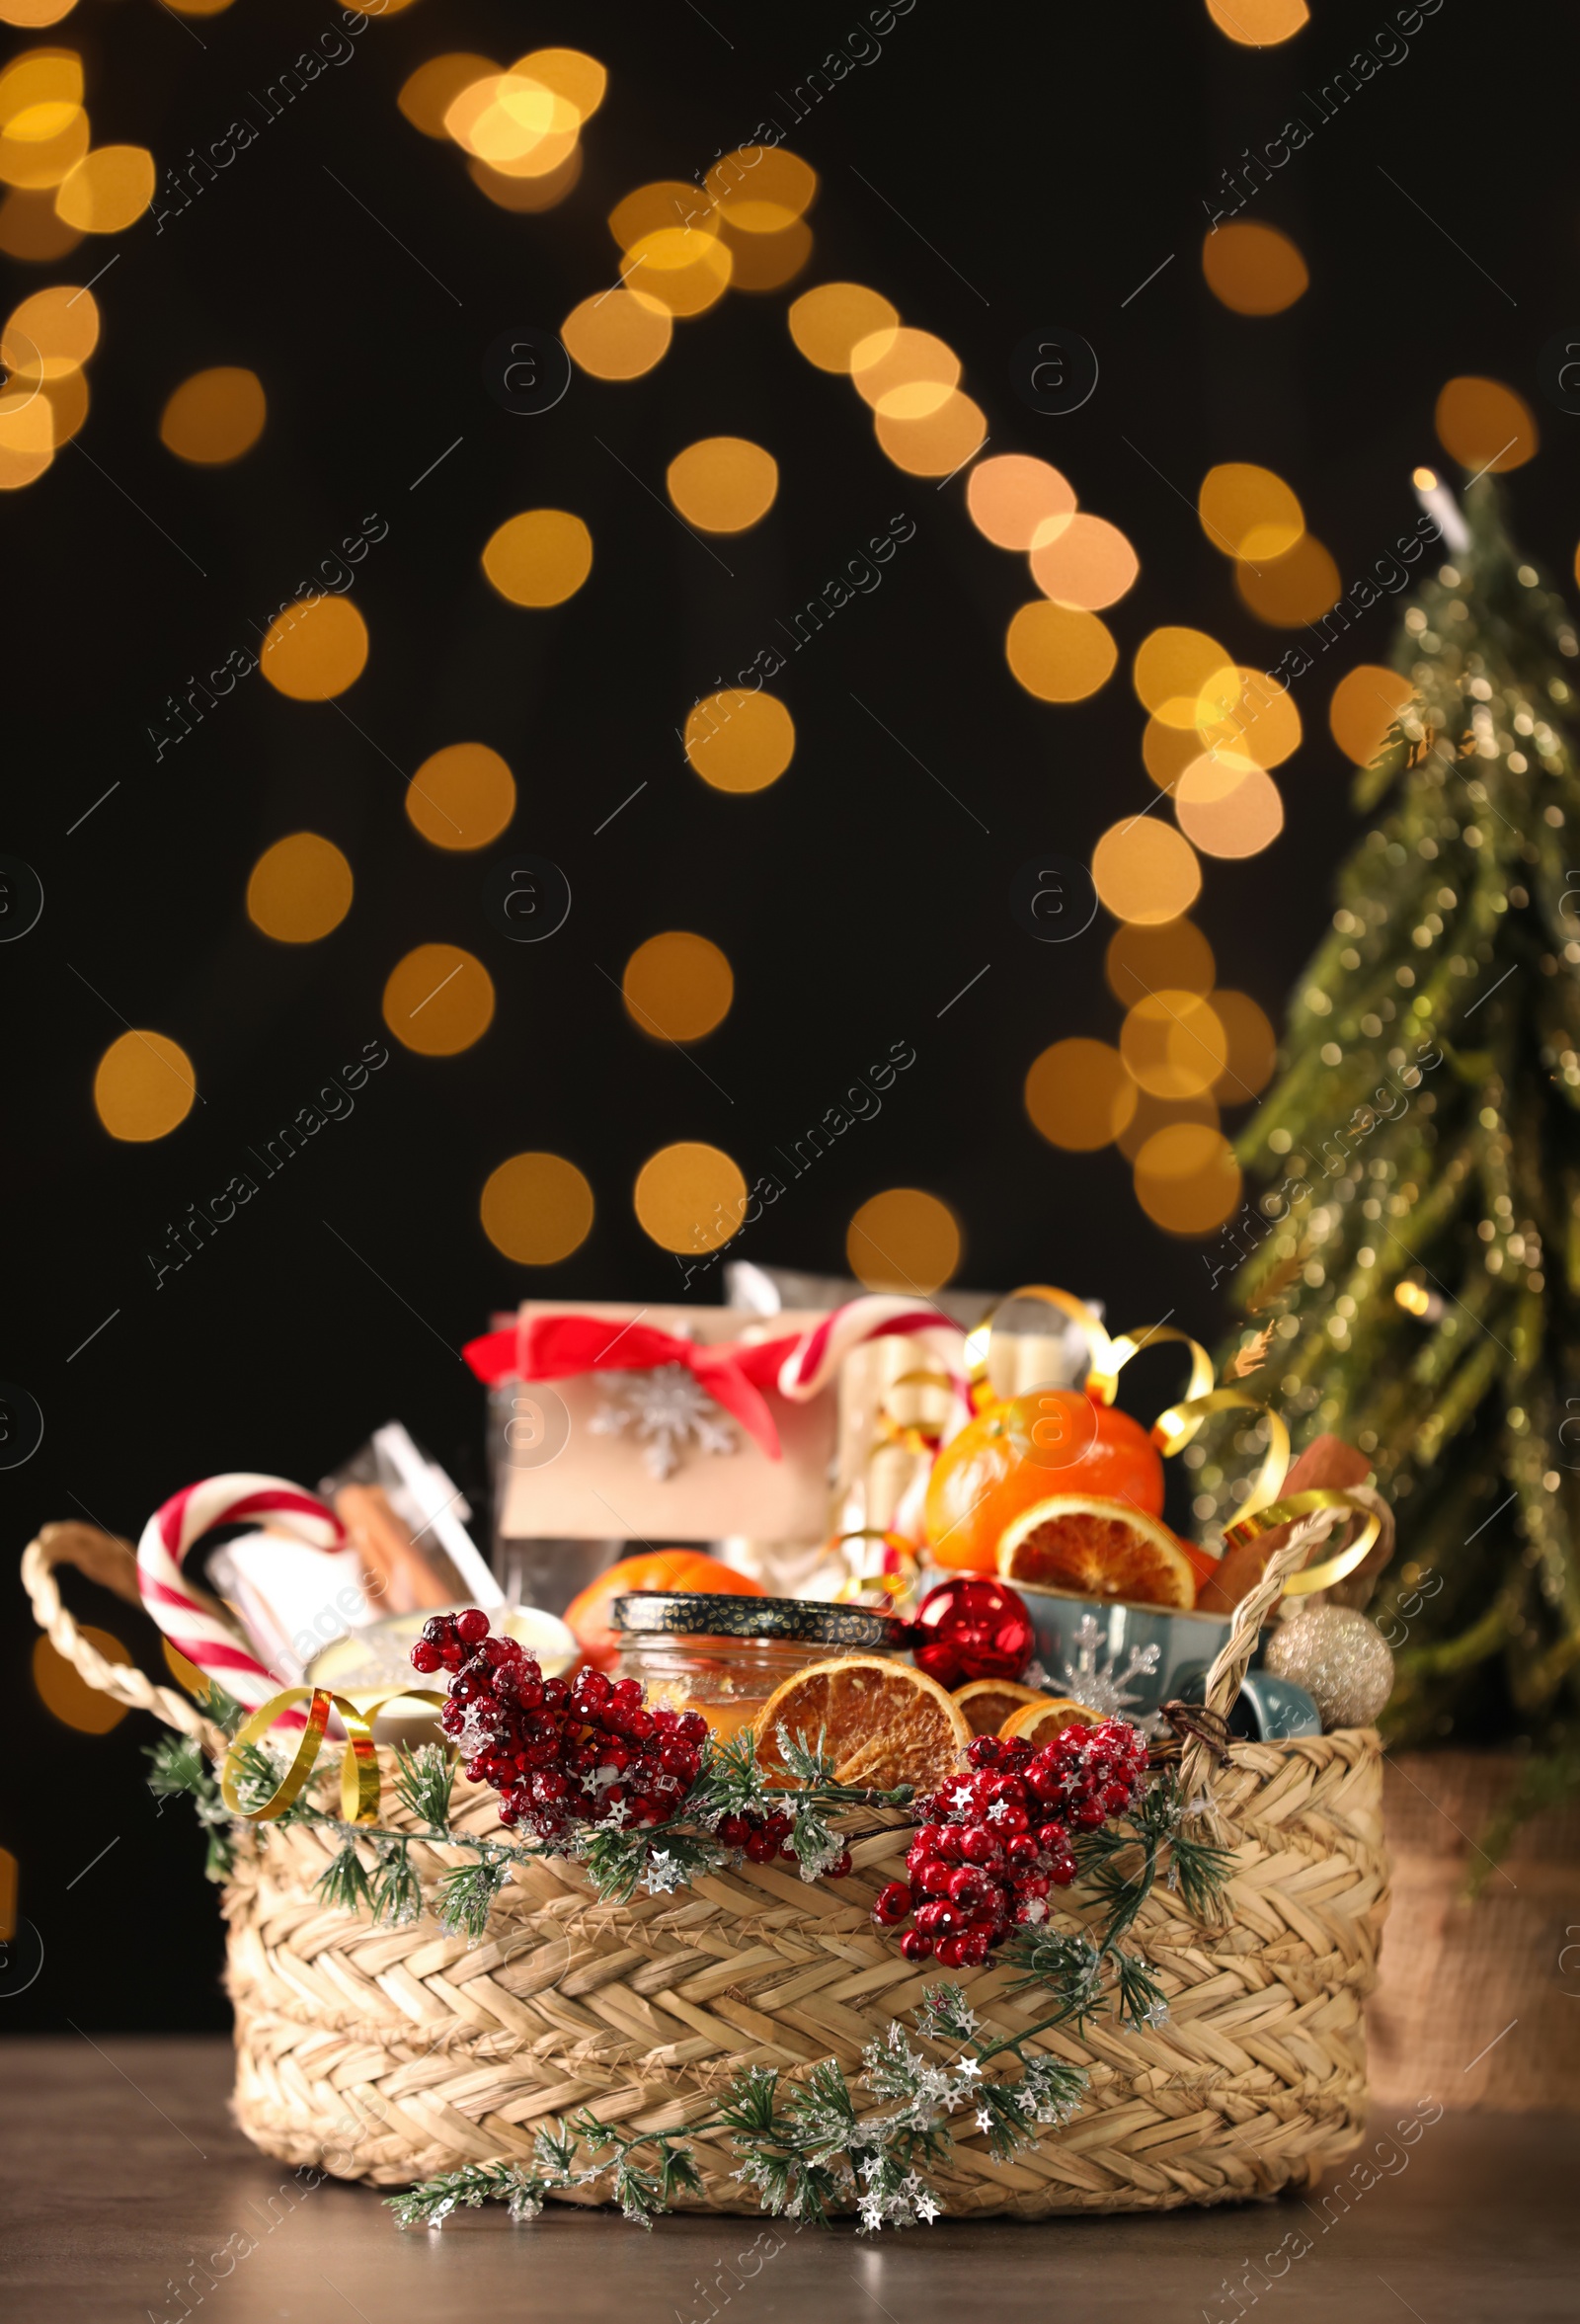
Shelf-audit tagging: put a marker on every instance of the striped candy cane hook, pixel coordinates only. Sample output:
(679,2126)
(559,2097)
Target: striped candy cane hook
(188,1623)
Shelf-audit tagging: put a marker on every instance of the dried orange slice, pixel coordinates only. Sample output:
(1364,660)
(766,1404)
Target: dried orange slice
(882,1722)
(1098,1549)
(1038,1722)
(989,1702)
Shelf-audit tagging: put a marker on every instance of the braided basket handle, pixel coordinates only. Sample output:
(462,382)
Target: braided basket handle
(110,1561)
(1234,1656)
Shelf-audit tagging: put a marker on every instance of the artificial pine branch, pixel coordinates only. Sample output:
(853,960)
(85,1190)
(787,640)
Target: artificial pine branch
(1417,1253)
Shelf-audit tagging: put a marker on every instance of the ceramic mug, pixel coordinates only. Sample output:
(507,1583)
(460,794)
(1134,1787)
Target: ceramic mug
(1117,1655)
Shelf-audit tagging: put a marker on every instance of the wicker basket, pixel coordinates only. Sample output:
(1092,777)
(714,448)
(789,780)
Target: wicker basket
(389,2054)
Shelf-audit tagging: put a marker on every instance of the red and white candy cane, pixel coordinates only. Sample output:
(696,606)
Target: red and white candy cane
(816,1356)
(188,1623)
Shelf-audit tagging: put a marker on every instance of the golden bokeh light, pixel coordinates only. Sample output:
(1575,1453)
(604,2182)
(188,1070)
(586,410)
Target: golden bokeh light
(514,123)
(677,986)
(1144,959)
(723,484)
(666,206)
(739,741)
(1083,561)
(300,889)
(1146,872)
(1262,725)
(1248,512)
(41,91)
(573,76)
(828,323)
(1187,1178)
(66,1693)
(108,189)
(26,437)
(1253,268)
(37,162)
(761,189)
(31,229)
(678,269)
(32,15)
(1173,1044)
(214,417)
(1294,589)
(1016,500)
(539,558)
(689,1197)
(536,1208)
(1161,1113)
(438,1000)
(1166,750)
(69,404)
(904,374)
(427,95)
(461,797)
(144,1088)
(938,444)
(526,196)
(766,262)
(1059,653)
(1184,677)
(1260,24)
(1079,1095)
(218,7)
(1485,425)
(50,333)
(315,649)
(1228,806)
(613,336)
(1253,1048)
(904,1240)
(1365,703)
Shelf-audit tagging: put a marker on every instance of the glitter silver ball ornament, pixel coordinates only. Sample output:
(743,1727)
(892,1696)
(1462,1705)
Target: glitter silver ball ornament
(1340,1658)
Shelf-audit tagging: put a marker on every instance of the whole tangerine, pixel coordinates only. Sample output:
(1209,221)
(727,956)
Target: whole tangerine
(587,1614)
(1052,1440)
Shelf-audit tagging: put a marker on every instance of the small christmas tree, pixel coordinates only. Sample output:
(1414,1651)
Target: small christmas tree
(1417,1253)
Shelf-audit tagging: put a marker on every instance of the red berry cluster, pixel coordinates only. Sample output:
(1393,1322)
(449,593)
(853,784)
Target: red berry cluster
(1000,1838)
(558,1750)
(760,1838)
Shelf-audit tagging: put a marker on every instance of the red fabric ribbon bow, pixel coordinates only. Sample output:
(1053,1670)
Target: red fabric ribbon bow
(552,1348)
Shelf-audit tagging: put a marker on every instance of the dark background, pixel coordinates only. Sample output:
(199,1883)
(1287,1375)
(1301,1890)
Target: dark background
(1053,156)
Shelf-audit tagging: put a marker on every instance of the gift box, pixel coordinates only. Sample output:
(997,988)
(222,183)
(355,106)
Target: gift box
(616,1423)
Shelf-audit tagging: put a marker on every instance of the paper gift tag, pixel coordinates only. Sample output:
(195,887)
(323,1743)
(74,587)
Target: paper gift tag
(590,1473)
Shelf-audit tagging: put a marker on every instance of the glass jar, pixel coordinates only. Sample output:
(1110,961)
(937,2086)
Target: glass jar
(698,1650)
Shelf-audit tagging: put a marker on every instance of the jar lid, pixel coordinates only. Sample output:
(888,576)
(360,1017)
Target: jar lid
(720,1614)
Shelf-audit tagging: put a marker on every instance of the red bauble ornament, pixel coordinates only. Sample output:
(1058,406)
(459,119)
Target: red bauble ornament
(972,1628)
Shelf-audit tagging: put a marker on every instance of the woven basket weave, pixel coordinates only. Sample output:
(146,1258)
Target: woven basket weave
(389,2054)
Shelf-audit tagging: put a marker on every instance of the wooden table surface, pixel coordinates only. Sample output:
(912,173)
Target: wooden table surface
(123,2179)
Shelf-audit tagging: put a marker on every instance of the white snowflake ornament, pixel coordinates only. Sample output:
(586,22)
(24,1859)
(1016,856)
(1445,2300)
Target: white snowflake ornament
(1106,1689)
(668,1413)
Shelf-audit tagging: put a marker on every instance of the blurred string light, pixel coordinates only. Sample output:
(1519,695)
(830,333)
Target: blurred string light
(1485,425)
(690,1197)
(461,797)
(519,125)
(677,986)
(723,484)
(1258,24)
(739,741)
(438,1000)
(45,343)
(300,889)
(536,1208)
(146,1087)
(1252,269)
(34,15)
(904,1240)
(214,417)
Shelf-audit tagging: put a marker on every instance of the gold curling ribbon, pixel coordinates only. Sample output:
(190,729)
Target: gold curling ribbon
(912,1436)
(359,1770)
(1173,1429)
(894,1584)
